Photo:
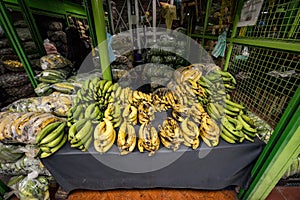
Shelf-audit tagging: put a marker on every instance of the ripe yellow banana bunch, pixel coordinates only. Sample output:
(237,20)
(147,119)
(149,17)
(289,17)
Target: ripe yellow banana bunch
(190,133)
(164,98)
(130,114)
(183,74)
(138,97)
(104,136)
(180,112)
(170,134)
(126,138)
(209,131)
(196,111)
(146,112)
(148,139)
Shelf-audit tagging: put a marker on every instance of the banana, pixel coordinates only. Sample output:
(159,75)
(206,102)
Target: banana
(46,131)
(54,134)
(86,129)
(107,145)
(228,134)
(226,124)
(232,108)
(231,103)
(237,124)
(87,143)
(248,138)
(55,141)
(56,148)
(228,112)
(249,121)
(132,117)
(246,126)
(107,87)
(122,134)
(75,128)
(227,139)
(78,111)
(89,110)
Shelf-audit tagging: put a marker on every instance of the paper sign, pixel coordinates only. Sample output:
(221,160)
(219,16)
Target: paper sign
(250,12)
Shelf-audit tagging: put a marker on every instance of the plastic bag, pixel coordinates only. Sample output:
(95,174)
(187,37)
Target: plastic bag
(54,61)
(220,48)
(10,153)
(30,187)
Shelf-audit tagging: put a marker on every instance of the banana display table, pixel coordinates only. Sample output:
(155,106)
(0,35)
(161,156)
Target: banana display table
(205,168)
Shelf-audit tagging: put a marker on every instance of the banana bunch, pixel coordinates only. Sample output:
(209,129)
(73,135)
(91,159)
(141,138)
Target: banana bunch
(249,127)
(148,139)
(196,111)
(170,134)
(43,89)
(113,113)
(190,72)
(232,130)
(80,134)
(130,114)
(64,87)
(215,111)
(209,131)
(163,99)
(190,133)
(23,127)
(52,76)
(104,136)
(180,112)
(228,80)
(126,140)
(51,139)
(231,108)
(146,112)
(183,94)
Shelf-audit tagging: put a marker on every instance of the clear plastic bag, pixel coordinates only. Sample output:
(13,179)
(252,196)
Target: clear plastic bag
(54,61)
(30,187)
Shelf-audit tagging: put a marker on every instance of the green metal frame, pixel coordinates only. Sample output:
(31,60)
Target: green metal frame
(284,144)
(12,36)
(90,21)
(284,152)
(32,26)
(99,18)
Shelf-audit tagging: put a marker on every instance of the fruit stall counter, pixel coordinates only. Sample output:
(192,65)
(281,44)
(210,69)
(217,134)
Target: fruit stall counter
(204,168)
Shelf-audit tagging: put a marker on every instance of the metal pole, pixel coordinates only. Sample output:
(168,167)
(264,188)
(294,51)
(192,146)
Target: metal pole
(110,17)
(154,19)
(16,43)
(32,26)
(99,19)
(89,16)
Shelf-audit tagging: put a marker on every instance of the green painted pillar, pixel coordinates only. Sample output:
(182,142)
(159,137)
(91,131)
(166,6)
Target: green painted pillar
(99,19)
(14,40)
(32,26)
(90,21)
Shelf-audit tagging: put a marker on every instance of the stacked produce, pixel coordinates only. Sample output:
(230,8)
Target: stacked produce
(88,107)
(56,105)
(57,36)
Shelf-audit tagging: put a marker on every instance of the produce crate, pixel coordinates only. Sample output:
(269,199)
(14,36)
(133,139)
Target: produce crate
(278,19)
(267,80)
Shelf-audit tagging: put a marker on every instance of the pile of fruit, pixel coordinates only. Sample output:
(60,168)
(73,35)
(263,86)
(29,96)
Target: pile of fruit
(196,100)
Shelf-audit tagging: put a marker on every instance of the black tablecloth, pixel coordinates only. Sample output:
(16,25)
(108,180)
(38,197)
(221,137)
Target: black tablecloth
(205,168)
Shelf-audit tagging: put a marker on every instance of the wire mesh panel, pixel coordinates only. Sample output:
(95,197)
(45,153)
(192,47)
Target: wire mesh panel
(278,19)
(267,80)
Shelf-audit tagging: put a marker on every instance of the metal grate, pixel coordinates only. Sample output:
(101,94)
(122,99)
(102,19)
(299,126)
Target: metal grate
(267,80)
(278,19)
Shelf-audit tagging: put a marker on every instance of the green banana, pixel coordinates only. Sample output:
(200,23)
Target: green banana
(47,130)
(107,87)
(54,134)
(57,147)
(86,129)
(232,108)
(249,121)
(246,126)
(89,111)
(238,125)
(231,103)
(248,138)
(55,141)
(227,139)
(228,112)
(226,124)
(75,128)
(230,135)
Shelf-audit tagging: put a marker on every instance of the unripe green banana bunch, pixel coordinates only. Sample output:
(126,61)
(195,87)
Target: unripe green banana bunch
(114,114)
(148,139)
(170,134)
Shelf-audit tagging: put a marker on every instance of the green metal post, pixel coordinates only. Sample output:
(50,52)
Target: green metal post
(90,21)
(233,34)
(99,18)
(32,26)
(206,19)
(276,135)
(285,151)
(15,42)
